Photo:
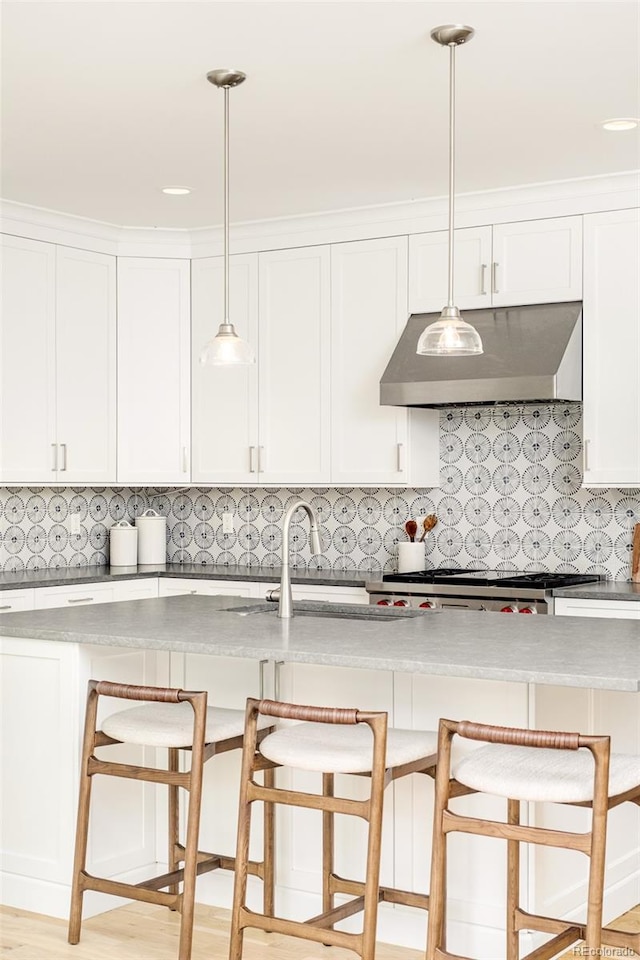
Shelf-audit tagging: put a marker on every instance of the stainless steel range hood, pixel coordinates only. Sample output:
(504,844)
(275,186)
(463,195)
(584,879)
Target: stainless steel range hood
(531,354)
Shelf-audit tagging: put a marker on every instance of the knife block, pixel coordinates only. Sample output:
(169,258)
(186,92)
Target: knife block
(635,555)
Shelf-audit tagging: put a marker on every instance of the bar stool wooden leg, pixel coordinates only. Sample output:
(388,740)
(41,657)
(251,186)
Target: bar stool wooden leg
(82,830)
(193,827)
(174,820)
(372,880)
(269,833)
(244,832)
(593,938)
(513,883)
(328,841)
(438,887)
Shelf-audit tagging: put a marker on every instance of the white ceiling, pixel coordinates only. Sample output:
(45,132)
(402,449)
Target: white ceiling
(345,104)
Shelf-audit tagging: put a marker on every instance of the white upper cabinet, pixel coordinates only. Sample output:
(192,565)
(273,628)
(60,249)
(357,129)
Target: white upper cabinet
(153,370)
(57,356)
(429,265)
(533,261)
(372,444)
(28,362)
(86,366)
(537,261)
(611,388)
(224,399)
(294,380)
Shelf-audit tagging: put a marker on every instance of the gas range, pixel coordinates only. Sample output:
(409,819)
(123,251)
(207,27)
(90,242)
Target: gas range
(500,591)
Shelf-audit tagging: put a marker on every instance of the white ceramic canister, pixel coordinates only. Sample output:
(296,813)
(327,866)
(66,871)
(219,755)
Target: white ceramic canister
(152,537)
(123,545)
(411,556)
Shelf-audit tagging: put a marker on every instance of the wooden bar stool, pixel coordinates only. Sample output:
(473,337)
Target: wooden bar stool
(177,720)
(532,765)
(328,741)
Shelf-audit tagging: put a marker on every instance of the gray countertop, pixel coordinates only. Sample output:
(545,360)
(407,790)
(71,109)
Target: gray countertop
(79,575)
(567,651)
(603,590)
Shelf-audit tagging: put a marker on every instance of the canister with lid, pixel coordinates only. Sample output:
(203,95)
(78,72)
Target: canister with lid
(152,537)
(123,545)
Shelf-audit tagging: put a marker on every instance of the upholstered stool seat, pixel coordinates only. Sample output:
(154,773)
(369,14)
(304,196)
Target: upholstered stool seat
(551,776)
(171,725)
(531,765)
(343,749)
(175,720)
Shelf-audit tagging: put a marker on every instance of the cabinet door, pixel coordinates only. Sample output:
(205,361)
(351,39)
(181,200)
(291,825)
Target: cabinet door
(537,261)
(153,370)
(225,399)
(13,600)
(611,404)
(294,366)
(616,609)
(368,313)
(27,362)
(429,269)
(86,366)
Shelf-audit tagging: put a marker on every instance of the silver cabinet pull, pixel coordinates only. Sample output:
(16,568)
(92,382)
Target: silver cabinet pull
(261,665)
(494,277)
(587,448)
(6,607)
(400,456)
(81,600)
(252,452)
(260,456)
(483,279)
(276,679)
(185,465)
(64,457)
(54,448)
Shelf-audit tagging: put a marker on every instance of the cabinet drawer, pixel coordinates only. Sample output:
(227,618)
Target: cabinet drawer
(13,600)
(173,587)
(621,609)
(70,596)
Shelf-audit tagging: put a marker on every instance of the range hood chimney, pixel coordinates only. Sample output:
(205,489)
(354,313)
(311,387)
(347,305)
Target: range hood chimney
(532,354)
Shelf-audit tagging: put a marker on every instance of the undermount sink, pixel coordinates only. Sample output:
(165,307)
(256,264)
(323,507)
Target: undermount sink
(331,611)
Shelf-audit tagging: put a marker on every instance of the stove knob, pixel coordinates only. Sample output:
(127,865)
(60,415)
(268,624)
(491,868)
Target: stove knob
(527,610)
(510,609)
(428,605)
(401,603)
(384,603)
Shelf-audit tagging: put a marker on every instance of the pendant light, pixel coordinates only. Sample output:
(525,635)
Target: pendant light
(450,335)
(226,347)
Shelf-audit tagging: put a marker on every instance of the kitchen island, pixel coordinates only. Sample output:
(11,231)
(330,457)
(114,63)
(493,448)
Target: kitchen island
(530,671)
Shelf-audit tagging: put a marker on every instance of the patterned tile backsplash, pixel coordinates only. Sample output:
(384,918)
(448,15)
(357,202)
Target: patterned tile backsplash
(510,498)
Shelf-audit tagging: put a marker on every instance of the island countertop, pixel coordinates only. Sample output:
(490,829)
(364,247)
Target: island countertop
(565,651)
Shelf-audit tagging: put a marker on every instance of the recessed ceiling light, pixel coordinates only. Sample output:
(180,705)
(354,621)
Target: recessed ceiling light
(176,191)
(620,123)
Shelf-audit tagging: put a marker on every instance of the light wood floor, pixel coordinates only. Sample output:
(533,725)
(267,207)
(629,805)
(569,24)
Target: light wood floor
(143,932)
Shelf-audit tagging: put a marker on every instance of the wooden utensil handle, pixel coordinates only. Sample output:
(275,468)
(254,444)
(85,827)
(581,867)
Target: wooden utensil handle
(635,555)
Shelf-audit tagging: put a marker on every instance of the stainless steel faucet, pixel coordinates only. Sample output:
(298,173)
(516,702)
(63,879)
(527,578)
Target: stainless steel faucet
(283,593)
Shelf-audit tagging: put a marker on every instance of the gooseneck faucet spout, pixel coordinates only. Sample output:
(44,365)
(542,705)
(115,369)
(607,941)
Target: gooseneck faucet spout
(283,593)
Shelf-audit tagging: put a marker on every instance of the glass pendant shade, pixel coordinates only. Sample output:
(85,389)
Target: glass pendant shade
(226,348)
(449,336)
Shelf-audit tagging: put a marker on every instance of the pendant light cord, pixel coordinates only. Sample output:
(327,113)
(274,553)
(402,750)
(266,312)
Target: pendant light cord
(226,204)
(452,121)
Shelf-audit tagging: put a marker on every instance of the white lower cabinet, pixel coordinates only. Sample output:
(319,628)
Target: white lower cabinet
(169,587)
(89,593)
(620,609)
(611,407)
(43,694)
(13,600)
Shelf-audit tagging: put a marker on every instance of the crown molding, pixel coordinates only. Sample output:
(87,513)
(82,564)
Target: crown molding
(529,202)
